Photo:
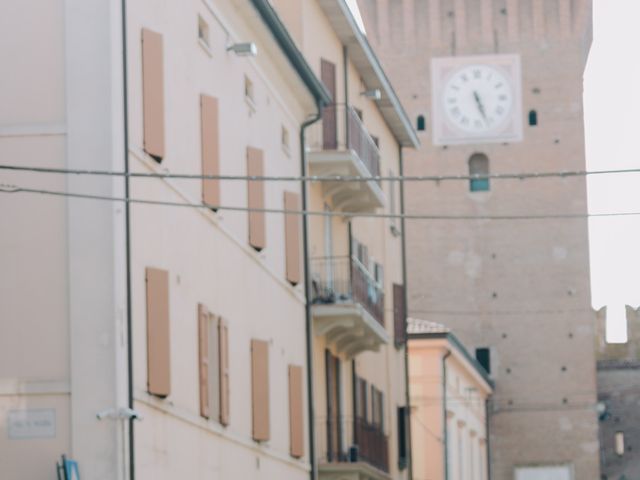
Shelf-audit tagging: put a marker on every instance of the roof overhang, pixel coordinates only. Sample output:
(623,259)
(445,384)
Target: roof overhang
(366,62)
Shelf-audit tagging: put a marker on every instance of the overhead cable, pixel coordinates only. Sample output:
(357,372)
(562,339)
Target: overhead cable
(4,188)
(322,178)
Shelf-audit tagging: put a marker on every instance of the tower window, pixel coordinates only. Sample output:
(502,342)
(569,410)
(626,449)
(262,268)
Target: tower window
(479,165)
(533,118)
(483,356)
(421,124)
(619,443)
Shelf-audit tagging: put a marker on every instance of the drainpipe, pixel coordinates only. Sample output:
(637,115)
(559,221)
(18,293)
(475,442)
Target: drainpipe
(307,294)
(487,406)
(406,303)
(345,71)
(445,432)
(127,216)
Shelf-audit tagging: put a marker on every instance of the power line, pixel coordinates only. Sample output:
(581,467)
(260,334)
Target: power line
(323,178)
(4,188)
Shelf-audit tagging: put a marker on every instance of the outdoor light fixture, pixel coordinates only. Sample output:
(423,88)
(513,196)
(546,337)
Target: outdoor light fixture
(245,49)
(373,94)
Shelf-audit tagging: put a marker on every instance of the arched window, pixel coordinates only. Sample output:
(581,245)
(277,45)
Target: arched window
(421,125)
(533,118)
(479,165)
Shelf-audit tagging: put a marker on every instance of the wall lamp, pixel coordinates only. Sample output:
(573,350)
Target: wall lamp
(373,94)
(245,49)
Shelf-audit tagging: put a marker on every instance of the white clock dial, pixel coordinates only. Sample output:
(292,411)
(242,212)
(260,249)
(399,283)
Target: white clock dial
(477,99)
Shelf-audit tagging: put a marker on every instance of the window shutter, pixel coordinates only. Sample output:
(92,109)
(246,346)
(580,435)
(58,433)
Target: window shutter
(399,315)
(292,237)
(158,333)
(209,131)
(260,389)
(224,371)
(203,359)
(257,226)
(296,415)
(153,93)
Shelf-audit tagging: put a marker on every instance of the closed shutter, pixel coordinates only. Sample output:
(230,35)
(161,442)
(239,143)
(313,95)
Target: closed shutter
(203,359)
(296,415)
(292,237)
(158,333)
(210,145)
(257,225)
(153,93)
(224,371)
(214,367)
(260,389)
(399,314)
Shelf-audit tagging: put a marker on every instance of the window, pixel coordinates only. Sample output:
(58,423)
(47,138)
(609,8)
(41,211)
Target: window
(284,140)
(203,31)
(479,166)
(377,408)
(421,125)
(158,333)
(260,390)
(257,219)
(249,93)
(153,94)
(399,315)
(619,443)
(403,432)
(213,351)
(292,237)
(210,149)
(533,118)
(483,356)
(296,412)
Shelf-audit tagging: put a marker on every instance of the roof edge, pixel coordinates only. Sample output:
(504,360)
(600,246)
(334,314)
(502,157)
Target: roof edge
(382,76)
(460,347)
(296,58)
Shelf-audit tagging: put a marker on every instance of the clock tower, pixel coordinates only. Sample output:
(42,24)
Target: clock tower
(495,86)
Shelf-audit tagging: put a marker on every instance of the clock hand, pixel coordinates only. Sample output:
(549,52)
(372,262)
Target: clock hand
(480,105)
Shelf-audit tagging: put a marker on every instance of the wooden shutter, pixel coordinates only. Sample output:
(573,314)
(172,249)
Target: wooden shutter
(329,118)
(158,333)
(296,415)
(214,366)
(210,145)
(224,371)
(153,93)
(292,237)
(203,359)
(399,315)
(257,225)
(260,389)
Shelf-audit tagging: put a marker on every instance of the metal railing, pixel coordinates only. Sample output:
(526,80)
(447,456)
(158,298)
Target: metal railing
(362,442)
(342,129)
(345,280)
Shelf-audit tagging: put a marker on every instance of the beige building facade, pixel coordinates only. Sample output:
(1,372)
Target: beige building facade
(496,87)
(170,338)
(450,391)
(355,263)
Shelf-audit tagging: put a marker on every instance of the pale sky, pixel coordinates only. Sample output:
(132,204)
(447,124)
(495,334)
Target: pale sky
(612,103)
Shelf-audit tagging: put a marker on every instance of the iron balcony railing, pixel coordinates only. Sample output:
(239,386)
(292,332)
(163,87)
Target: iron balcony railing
(345,280)
(363,442)
(342,129)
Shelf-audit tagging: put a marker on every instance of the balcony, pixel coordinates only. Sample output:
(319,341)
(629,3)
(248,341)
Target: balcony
(348,305)
(341,145)
(366,459)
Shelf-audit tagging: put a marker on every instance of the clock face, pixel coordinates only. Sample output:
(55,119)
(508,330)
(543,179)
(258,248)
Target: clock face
(477,99)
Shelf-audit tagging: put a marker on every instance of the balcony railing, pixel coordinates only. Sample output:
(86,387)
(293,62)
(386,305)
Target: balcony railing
(365,443)
(338,280)
(342,129)
(373,444)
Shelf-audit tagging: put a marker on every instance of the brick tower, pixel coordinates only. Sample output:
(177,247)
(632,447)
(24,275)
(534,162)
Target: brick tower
(496,85)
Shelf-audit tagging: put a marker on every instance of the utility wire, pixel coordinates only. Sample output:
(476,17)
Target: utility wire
(4,188)
(322,178)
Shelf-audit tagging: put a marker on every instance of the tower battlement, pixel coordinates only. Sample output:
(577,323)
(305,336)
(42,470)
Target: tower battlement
(483,26)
